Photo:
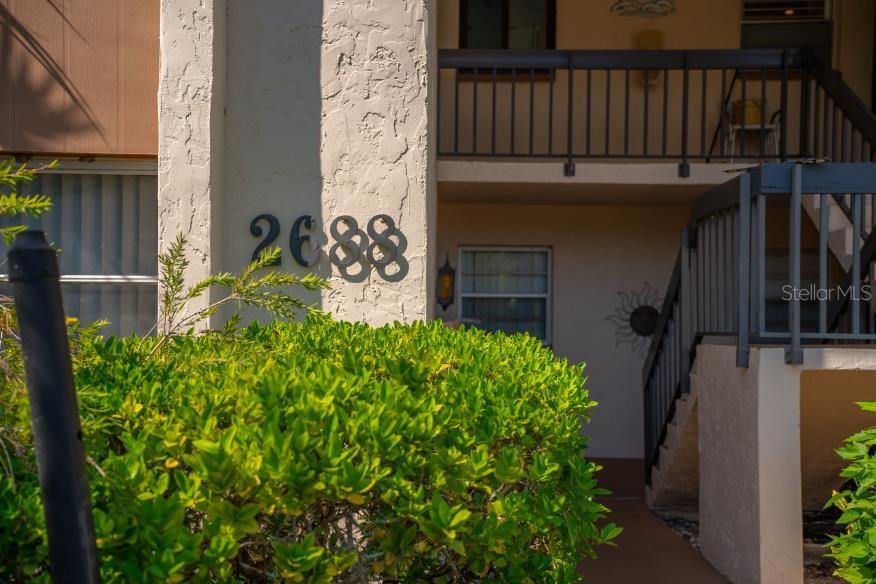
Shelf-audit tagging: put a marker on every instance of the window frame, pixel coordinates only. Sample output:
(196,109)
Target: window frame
(826,17)
(551,25)
(120,167)
(547,295)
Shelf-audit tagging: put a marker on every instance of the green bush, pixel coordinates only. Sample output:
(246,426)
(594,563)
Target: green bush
(855,550)
(321,451)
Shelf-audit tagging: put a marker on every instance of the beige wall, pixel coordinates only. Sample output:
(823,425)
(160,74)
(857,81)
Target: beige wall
(597,251)
(79,77)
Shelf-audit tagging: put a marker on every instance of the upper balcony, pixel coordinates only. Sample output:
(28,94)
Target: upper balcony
(736,106)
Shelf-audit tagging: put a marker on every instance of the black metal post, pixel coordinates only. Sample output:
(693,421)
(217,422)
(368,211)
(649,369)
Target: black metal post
(33,271)
(743,271)
(684,165)
(569,166)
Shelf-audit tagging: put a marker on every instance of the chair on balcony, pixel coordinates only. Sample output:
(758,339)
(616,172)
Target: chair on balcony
(742,120)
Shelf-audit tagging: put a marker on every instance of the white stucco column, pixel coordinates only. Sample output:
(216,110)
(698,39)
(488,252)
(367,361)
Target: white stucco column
(329,114)
(308,126)
(751,515)
(191,101)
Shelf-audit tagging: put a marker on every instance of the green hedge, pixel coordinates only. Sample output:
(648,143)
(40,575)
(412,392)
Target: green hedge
(321,451)
(855,550)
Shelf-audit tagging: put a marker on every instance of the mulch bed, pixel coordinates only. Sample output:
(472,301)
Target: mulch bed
(817,526)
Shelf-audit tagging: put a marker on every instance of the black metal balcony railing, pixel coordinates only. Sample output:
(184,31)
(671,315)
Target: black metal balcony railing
(727,282)
(678,105)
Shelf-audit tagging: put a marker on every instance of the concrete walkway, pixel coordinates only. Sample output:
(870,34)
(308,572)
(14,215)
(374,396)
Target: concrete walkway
(647,551)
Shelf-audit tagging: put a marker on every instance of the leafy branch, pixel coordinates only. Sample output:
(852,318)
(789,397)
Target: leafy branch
(12,175)
(250,288)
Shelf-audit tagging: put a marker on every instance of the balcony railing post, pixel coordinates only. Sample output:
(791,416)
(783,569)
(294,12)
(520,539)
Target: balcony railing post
(33,271)
(804,114)
(794,353)
(743,271)
(783,110)
(684,165)
(569,167)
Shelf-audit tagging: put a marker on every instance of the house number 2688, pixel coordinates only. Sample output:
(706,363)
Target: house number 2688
(351,244)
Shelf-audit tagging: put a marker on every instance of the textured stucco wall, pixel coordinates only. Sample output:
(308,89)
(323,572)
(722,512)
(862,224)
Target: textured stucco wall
(328,115)
(729,515)
(191,95)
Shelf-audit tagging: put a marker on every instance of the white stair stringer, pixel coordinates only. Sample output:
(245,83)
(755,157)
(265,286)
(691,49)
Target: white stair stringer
(675,476)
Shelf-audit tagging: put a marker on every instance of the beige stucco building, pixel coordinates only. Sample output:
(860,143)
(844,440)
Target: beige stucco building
(577,164)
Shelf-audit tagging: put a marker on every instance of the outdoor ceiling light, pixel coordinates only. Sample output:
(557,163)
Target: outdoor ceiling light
(446,284)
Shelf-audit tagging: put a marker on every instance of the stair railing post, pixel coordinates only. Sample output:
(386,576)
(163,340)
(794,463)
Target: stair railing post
(684,310)
(33,272)
(783,111)
(743,271)
(794,354)
(684,165)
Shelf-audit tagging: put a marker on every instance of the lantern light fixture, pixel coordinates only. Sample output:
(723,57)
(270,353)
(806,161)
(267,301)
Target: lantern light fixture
(446,284)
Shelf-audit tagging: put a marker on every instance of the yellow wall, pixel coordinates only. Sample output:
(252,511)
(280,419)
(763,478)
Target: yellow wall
(828,415)
(853,44)
(695,25)
(590,25)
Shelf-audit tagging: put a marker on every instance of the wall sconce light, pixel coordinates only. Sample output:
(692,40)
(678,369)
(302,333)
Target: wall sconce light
(446,284)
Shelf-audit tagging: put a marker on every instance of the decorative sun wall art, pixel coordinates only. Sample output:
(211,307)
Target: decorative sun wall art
(635,318)
(644,8)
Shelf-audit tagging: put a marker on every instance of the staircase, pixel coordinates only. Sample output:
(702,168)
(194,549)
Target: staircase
(724,285)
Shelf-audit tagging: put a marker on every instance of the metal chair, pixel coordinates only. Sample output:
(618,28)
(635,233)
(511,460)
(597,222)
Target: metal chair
(736,130)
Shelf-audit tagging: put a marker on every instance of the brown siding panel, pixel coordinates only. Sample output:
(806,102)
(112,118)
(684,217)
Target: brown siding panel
(139,73)
(79,76)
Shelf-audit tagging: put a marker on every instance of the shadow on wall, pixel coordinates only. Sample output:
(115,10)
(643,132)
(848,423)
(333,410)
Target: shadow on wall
(272,137)
(284,152)
(41,103)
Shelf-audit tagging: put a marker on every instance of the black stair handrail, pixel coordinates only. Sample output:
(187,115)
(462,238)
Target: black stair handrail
(722,198)
(863,120)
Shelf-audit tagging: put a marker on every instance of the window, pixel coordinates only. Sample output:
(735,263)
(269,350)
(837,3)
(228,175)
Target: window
(785,10)
(104,221)
(507,24)
(787,24)
(506,289)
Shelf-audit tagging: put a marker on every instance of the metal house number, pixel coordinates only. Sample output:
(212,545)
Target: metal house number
(352,245)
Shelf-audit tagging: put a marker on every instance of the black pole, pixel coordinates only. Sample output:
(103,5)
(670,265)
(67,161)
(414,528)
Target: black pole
(33,271)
